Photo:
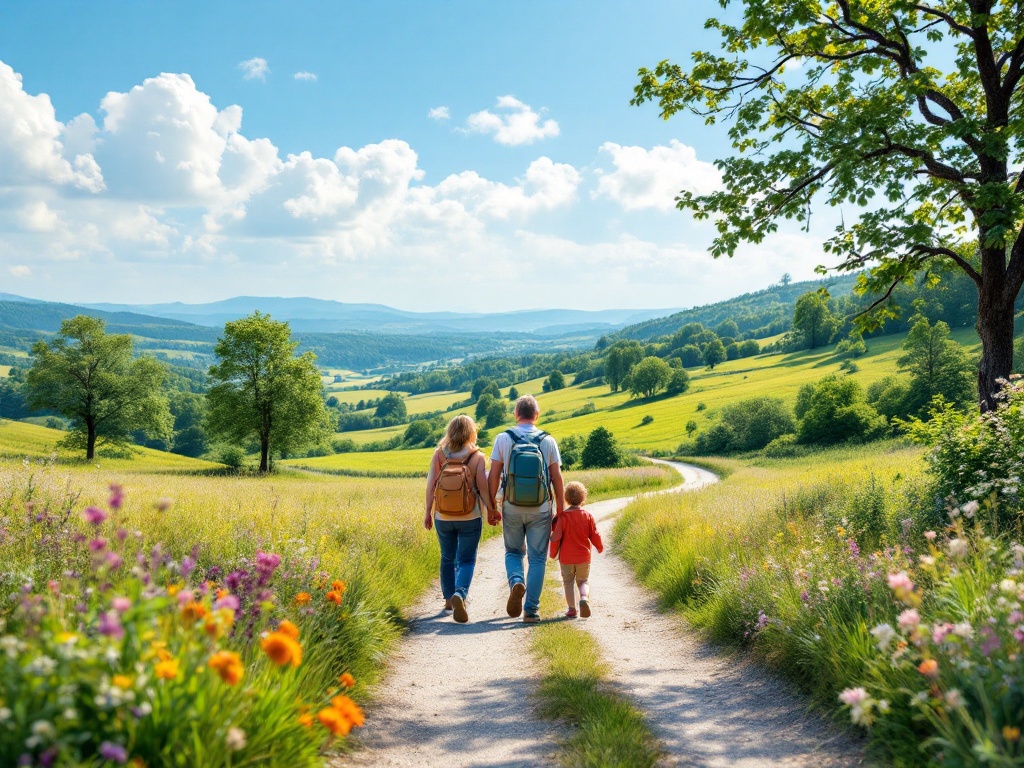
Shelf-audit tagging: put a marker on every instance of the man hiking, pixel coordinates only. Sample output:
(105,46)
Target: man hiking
(526,463)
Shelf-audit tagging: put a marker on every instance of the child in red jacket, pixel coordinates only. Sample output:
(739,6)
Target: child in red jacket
(573,533)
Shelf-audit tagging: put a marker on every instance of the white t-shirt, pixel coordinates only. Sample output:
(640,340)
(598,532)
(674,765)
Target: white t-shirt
(503,446)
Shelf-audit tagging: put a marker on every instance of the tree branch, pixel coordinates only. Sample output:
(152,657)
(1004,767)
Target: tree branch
(946,17)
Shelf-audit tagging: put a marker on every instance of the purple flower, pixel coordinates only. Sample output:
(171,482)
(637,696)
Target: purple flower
(113,560)
(228,601)
(98,544)
(110,625)
(234,579)
(990,642)
(213,572)
(804,596)
(854,549)
(49,757)
(762,620)
(115,753)
(122,534)
(116,496)
(24,759)
(266,564)
(185,596)
(94,515)
(187,566)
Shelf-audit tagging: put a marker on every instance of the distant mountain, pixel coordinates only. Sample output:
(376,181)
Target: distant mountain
(321,316)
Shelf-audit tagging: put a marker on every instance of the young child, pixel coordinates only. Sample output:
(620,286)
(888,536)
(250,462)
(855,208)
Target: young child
(574,531)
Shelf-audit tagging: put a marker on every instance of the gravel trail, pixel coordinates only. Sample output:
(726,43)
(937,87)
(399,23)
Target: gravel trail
(460,695)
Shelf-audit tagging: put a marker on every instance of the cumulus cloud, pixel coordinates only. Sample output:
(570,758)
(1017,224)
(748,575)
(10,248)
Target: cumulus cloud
(254,69)
(439,113)
(306,76)
(38,217)
(651,178)
(512,123)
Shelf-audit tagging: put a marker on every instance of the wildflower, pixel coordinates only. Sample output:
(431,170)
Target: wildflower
(338,586)
(98,544)
(854,549)
(167,669)
(226,601)
(963,629)
(1008,586)
(970,508)
(940,631)
(121,681)
(929,668)
(112,752)
(859,702)
(94,515)
(884,635)
(958,548)
(191,612)
(334,721)
(1011,733)
(302,598)
(5,714)
(349,709)
(173,589)
(282,649)
(347,680)
(235,739)
(927,560)
(909,619)
(334,597)
(288,628)
(954,698)
(110,625)
(116,496)
(219,622)
(266,564)
(42,666)
(228,665)
(840,531)
(306,720)
(929,535)
(121,604)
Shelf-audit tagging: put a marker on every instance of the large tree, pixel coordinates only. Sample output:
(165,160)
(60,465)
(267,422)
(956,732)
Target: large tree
(813,319)
(649,376)
(910,110)
(262,391)
(936,363)
(93,379)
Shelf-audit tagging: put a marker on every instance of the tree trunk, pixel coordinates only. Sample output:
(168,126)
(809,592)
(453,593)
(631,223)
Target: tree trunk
(264,454)
(995,327)
(90,441)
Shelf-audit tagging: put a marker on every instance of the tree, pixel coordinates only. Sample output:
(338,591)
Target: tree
(727,328)
(262,391)
(786,279)
(392,408)
(601,450)
(571,449)
(622,356)
(91,378)
(691,427)
(483,405)
(937,365)
(189,411)
(555,381)
(649,376)
(679,383)
(691,356)
(513,393)
(833,410)
(813,319)
(908,110)
(491,411)
(713,353)
(478,388)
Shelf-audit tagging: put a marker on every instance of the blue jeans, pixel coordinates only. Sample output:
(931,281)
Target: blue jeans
(459,540)
(526,531)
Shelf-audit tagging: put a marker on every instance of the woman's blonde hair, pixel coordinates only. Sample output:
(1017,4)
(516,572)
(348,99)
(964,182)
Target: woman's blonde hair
(575,493)
(461,433)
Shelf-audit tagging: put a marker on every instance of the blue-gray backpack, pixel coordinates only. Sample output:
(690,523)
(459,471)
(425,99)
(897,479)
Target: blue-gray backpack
(526,478)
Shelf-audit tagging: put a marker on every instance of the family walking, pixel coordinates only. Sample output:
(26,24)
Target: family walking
(526,472)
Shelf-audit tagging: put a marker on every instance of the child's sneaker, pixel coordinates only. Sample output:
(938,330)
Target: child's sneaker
(459,612)
(585,609)
(571,613)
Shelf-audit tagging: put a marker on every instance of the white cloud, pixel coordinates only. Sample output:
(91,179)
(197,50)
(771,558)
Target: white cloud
(513,123)
(20,270)
(439,113)
(653,178)
(37,217)
(254,69)
(307,76)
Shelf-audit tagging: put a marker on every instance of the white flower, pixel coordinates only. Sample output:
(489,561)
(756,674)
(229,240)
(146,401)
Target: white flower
(964,630)
(5,714)
(1009,586)
(235,739)
(43,729)
(42,666)
(69,714)
(958,547)
(884,635)
(11,645)
(954,698)
(970,508)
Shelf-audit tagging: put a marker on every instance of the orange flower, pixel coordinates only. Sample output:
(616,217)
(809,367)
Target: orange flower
(306,720)
(228,665)
(282,649)
(929,668)
(287,628)
(121,681)
(334,597)
(347,680)
(222,593)
(349,710)
(167,670)
(219,622)
(1011,733)
(173,589)
(163,654)
(302,598)
(338,586)
(334,721)
(191,612)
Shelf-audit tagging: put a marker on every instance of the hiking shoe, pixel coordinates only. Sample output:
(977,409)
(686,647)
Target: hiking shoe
(531,618)
(447,605)
(459,609)
(585,609)
(515,599)
(571,613)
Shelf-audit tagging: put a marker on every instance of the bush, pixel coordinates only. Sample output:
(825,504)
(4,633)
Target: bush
(646,420)
(555,381)
(717,439)
(417,432)
(679,382)
(853,346)
(343,445)
(601,450)
(747,426)
(571,450)
(583,410)
(891,397)
(834,411)
(785,447)
(231,456)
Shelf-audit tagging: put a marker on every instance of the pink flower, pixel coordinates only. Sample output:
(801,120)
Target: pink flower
(94,515)
(900,581)
(110,625)
(930,535)
(909,619)
(853,696)
(98,544)
(940,631)
(121,604)
(116,496)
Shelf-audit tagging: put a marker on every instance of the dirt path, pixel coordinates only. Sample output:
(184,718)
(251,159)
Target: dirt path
(459,695)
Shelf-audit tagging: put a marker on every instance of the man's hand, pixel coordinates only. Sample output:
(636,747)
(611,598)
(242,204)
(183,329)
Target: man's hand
(493,518)
(428,521)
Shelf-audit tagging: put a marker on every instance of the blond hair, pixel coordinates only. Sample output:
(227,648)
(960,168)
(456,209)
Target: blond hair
(575,493)
(461,433)
(526,407)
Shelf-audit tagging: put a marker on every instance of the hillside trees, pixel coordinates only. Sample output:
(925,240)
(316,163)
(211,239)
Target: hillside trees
(555,381)
(713,353)
(262,391)
(601,450)
(937,365)
(649,376)
(813,319)
(910,111)
(91,378)
(622,356)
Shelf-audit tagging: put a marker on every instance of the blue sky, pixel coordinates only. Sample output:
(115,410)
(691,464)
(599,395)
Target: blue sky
(426,155)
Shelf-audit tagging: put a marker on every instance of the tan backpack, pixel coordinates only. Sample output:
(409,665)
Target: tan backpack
(455,492)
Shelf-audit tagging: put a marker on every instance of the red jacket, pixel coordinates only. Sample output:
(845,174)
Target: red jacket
(573,533)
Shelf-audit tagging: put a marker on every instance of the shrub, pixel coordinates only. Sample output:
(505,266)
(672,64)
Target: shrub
(646,420)
(691,427)
(583,410)
(417,432)
(571,449)
(601,450)
(679,382)
(853,346)
(747,426)
(785,447)
(701,406)
(834,411)
(343,445)
(891,397)
(717,439)
(231,456)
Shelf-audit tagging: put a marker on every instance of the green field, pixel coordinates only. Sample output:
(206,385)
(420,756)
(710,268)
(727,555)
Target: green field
(5,371)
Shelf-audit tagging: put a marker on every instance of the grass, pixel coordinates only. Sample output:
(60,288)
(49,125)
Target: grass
(5,371)
(604,728)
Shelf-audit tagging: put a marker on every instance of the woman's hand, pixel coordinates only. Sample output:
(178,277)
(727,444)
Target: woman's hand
(428,521)
(493,517)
